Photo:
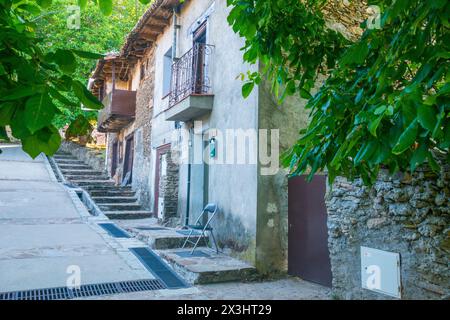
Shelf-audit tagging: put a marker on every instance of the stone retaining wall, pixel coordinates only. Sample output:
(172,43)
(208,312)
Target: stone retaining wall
(403,214)
(92,157)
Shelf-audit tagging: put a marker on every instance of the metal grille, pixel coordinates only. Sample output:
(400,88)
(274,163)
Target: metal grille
(159,268)
(89,290)
(190,74)
(114,231)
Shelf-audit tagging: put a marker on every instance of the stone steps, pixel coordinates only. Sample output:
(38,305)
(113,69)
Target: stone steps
(70,162)
(119,206)
(116,199)
(111,193)
(81,172)
(212,268)
(95,183)
(125,215)
(76,178)
(74,166)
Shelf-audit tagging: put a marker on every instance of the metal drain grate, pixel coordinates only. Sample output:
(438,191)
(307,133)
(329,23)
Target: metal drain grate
(159,268)
(113,230)
(88,290)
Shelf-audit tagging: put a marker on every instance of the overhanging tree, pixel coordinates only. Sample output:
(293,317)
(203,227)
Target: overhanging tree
(385,102)
(36,80)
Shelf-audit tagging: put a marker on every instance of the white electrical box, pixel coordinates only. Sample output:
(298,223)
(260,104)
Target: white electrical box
(380,271)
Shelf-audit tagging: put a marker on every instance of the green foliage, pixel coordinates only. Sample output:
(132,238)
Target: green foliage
(44,66)
(386,100)
(97,34)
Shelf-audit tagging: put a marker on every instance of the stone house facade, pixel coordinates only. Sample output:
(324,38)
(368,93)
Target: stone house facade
(177,123)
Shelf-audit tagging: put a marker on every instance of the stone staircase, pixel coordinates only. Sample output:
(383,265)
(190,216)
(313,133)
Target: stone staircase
(115,202)
(120,204)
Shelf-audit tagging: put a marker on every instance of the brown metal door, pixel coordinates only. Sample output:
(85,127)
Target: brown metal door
(308,255)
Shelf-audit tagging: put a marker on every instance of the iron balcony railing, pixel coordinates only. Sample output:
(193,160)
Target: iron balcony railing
(190,74)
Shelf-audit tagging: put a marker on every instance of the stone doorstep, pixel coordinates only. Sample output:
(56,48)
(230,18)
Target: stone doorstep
(203,270)
(168,238)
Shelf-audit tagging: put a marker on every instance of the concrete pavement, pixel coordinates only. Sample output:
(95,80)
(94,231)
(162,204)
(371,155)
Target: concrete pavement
(42,233)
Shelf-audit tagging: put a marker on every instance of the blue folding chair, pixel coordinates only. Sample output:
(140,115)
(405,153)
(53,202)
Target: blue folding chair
(202,224)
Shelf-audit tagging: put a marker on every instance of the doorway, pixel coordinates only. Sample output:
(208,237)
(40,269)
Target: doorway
(199,58)
(128,162)
(115,157)
(159,171)
(308,255)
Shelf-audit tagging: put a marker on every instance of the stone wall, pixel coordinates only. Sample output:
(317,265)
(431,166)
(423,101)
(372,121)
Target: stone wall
(142,124)
(405,214)
(168,190)
(93,157)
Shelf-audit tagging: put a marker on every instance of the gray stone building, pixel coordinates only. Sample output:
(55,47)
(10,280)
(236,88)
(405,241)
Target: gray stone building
(193,138)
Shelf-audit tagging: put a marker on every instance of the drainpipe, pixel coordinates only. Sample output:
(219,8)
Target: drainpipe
(188,195)
(176,26)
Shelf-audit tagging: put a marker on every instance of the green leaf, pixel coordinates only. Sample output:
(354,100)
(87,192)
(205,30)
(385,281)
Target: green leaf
(79,127)
(39,112)
(44,3)
(105,6)
(88,55)
(85,96)
(82,4)
(19,93)
(418,156)
(65,59)
(148,1)
(426,115)
(247,89)
(380,110)
(3,135)
(6,113)
(355,54)
(365,152)
(46,140)
(406,139)
(373,125)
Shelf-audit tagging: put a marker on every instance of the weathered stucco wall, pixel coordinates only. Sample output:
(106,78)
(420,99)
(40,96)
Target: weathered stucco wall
(272,217)
(405,214)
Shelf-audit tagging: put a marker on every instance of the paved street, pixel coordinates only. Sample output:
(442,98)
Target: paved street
(42,233)
(284,289)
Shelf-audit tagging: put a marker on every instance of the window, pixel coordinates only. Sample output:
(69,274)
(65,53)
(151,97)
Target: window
(167,72)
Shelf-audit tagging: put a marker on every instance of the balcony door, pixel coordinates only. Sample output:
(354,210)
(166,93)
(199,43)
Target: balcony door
(199,61)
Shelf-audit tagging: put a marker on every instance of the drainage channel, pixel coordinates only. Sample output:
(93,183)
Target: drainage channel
(149,259)
(89,290)
(114,231)
(159,268)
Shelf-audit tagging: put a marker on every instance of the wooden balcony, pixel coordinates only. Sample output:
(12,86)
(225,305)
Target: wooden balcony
(119,111)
